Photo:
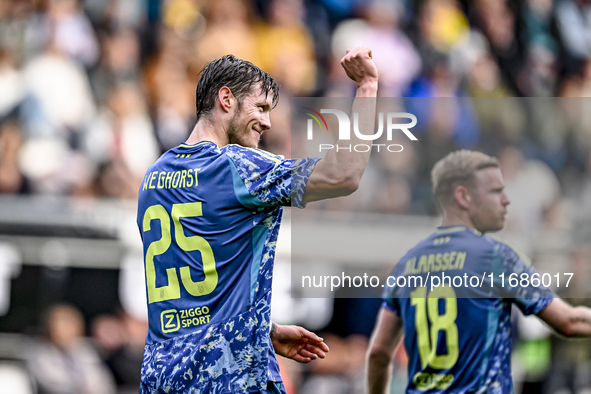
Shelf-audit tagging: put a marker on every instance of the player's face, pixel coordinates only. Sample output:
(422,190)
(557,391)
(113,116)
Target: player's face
(251,119)
(488,205)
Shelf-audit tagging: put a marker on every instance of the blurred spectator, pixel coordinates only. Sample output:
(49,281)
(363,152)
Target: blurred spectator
(533,190)
(484,78)
(170,83)
(394,191)
(120,62)
(497,21)
(394,54)
(285,47)
(229,30)
(171,91)
(65,26)
(122,340)
(393,196)
(123,131)
(582,209)
(573,18)
(73,33)
(124,14)
(340,9)
(64,362)
(14,19)
(122,139)
(503,120)
(56,112)
(174,113)
(537,18)
(540,72)
(60,101)
(12,181)
(11,83)
(439,79)
(586,79)
(441,26)
(454,117)
(108,333)
(547,133)
(53,167)
(540,47)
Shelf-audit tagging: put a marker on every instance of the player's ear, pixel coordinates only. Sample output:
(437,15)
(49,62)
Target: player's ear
(226,99)
(462,196)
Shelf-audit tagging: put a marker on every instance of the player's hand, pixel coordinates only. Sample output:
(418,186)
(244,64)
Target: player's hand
(359,66)
(297,343)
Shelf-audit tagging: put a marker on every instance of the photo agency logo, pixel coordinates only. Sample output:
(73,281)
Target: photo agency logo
(393,124)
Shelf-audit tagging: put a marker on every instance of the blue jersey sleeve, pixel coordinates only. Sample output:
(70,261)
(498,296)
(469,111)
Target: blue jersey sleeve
(392,304)
(262,179)
(529,299)
(391,292)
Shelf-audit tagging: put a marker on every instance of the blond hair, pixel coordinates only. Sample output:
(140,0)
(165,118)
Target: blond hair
(458,168)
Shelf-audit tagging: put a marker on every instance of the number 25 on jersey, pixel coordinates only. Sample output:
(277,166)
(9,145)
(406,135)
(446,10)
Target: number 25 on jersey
(188,244)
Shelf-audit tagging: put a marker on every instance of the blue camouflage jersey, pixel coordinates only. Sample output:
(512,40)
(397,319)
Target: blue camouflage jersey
(209,219)
(458,334)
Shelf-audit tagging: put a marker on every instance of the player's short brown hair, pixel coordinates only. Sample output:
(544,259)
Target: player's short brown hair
(240,76)
(458,168)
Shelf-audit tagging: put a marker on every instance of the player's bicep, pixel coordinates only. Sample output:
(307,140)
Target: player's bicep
(326,181)
(386,335)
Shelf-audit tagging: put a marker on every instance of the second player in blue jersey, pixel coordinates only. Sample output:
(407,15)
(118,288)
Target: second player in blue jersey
(448,298)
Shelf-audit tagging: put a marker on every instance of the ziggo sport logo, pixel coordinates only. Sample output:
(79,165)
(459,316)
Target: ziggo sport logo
(345,130)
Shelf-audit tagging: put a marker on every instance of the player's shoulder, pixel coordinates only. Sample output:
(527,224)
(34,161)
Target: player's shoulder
(253,153)
(457,238)
(506,248)
(454,235)
(200,148)
(185,151)
(253,157)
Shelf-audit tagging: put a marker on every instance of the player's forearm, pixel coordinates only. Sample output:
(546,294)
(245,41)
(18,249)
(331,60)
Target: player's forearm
(567,320)
(365,106)
(340,172)
(382,345)
(579,323)
(378,373)
(367,88)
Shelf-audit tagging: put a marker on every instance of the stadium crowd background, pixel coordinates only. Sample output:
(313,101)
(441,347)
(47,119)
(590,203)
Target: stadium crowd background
(91,92)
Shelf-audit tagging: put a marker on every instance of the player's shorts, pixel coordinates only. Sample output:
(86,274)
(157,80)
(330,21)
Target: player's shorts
(274,388)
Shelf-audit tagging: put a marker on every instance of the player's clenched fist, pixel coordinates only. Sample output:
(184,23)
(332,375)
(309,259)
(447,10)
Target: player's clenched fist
(359,66)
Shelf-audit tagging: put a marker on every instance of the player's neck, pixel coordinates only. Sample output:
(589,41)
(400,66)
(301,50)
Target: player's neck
(208,130)
(452,218)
